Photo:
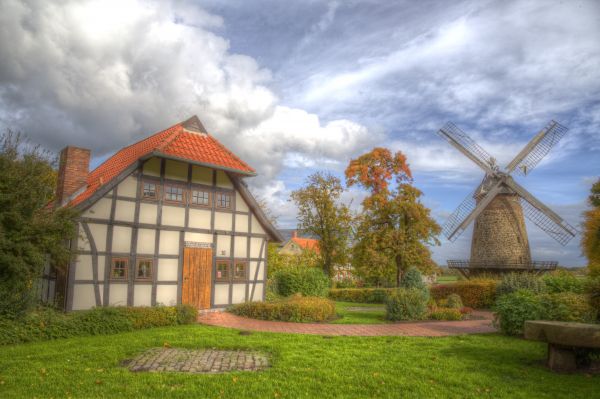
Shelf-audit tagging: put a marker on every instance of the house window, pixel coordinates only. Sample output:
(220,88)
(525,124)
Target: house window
(223,200)
(119,269)
(150,190)
(200,197)
(239,272)
(173,193)
(143,270)
(222,270)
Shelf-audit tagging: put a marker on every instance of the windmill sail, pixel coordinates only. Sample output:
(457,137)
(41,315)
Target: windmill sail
(467,146)
(537,148)
(562,232)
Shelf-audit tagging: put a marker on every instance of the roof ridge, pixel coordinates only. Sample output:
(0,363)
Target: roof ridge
(168,140)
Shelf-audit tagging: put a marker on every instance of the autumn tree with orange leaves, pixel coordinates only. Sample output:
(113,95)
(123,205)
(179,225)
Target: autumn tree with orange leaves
(590,241)
(395,228)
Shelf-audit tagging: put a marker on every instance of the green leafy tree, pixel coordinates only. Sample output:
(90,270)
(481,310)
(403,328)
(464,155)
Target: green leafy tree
(395,228)
(590,241)
(277,261)
(321,214)
(31,232)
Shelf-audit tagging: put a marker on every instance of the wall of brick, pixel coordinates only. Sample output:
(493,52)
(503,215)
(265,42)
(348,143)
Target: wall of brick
(72,172)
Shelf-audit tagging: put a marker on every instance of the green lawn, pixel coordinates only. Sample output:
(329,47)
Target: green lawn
(447,279)
(374,316)
(302,366)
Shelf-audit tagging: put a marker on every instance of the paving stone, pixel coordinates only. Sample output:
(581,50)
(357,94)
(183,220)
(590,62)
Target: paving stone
(198,361)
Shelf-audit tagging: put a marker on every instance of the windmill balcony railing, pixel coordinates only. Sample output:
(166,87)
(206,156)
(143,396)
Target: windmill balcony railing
(534,266)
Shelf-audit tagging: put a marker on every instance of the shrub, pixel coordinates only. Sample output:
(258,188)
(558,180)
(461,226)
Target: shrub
(563,281)
(446,314)
(592,287)
(454,302)
(412,279)
(347,282)
(477,294)
(513,309)
(362,295)
(567,306)
(308,281)
(512,282)
(296,308)
(47,323)
(406,304)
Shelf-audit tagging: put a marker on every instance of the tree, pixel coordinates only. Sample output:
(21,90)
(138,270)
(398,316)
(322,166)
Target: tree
(321,214)
(395,228)
(31,232)
(590,242)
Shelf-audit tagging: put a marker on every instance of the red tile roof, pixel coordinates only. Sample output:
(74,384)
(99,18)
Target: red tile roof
(307,243)
(187,141)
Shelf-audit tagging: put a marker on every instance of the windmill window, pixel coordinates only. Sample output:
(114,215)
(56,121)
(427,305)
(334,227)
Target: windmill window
(173,193)
(222,270)
(200,197)
(143,269)
(150,190)
(119,269)
(223,200)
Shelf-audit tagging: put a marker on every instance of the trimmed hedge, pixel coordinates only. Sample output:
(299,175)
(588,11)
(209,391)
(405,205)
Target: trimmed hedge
(478,294)
(47,323)
(361,295)
(296,309)
(308,281)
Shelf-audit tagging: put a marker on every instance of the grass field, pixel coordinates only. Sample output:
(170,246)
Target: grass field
(373,316)
(302,366)
(446,279)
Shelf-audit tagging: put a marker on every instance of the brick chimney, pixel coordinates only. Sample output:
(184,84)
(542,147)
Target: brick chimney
(72,172)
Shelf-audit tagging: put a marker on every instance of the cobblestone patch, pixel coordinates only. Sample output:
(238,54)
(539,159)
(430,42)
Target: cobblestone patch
(198,361)
(365,308)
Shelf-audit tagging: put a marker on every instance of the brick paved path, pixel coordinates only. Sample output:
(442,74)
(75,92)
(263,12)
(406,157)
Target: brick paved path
(198,361)
(412,329)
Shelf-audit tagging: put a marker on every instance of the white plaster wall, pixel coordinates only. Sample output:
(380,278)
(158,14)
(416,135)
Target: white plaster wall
(169,242)
(199,219)
(241,223)
(261,270)
(99,234)
(258,292)
(223,245)
(221,294)
(148,213)
(117,295)
(125,211)
(128,187)
(83,296)
(223,221)
(173,216)
(101,267)
(238,294)
(100,210)
(201,175)
(256,227)
(198,237)
(83,243)
(166,294)
(145,241)
(176,170)
(167,269)
(223,180)
(240,204)
(83,267)
(142,295)
(121,241)
(240,247)
(152,167)
(255,244)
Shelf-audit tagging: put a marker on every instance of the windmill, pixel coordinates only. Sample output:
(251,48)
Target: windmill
(498,206)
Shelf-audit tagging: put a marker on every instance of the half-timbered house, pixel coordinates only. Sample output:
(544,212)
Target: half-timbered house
(166,220)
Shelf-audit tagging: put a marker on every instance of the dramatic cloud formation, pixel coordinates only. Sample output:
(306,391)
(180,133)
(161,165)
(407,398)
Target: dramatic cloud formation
(294,87)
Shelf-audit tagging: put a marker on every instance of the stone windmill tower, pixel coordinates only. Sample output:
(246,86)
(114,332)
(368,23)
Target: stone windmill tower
(499,205)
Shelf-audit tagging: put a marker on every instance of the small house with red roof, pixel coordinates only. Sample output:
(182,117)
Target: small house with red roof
(166,220)
(296,245)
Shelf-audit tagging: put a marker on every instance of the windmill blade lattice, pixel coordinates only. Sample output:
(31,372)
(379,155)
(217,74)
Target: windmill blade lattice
(457,137)
(456,218)
(562,233)
(541,144)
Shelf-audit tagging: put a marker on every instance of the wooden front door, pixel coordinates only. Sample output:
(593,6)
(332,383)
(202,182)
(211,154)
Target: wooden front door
(197,272)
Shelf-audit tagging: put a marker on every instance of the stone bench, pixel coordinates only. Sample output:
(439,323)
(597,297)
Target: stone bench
(566,341)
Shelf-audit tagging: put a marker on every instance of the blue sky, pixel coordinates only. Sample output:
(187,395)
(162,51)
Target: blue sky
(299,86)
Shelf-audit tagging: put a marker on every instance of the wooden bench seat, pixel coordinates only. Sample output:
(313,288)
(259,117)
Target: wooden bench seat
(566,341)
